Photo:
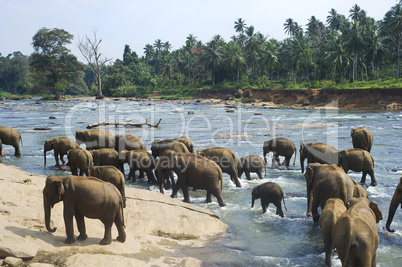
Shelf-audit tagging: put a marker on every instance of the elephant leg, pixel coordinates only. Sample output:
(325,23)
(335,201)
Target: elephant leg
(175,189)
(62,158)
(81,226)
(234,177)
(17,152)
(264,205)
(151,177)
(107,238)
(219,198)
(131,175)
(373,180)
(142,175)
(314,209)
(259,173)
(68,222)
(247,173)
(286,161)
(56,158)
(81,172)
(363,180)
(74,169)
(279,209)
(209,197)
(119,222)
(186,195)
(278,160)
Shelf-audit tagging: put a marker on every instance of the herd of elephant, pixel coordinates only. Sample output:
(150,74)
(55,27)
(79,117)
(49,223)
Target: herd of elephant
(348,219)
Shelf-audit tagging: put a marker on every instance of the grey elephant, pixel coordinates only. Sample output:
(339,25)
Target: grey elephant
(159,146)
(12,137)
(362,138)
(334,208)
(111,174)
(323,182)
(95,139)
(128,142)
(192,170)
(107,156)
(84,197)
(269,192)
(187,142)
(139,160)
(60,146)
(358,160)
(251,163)
(355,234)
(279,147)
(226,160)
(81,159)
(317,152)
(395,201)
(358,190)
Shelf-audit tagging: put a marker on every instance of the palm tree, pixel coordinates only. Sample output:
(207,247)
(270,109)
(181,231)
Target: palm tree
(336,55)
(212,58)
(291,27)
(252,46)
(354,45)
(302,53)
(355,13)
(376,51)
(235,58)
(167,46)
(149,52)
(269,57)
(240,25)
(392,28)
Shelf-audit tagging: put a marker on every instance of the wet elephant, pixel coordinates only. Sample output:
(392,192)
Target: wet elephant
(60,147)
(280,147)
(128,142)
(269,192)
(139,160)
(323,182)
(251,163)
(355,234)
(159,146)
(81,159)
(12,137)
(95,139)
(395,201)
(358,160)
(362,138)
(317,152)
(84,197)
(107,156)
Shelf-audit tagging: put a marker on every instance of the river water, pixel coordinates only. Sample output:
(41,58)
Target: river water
(254,239)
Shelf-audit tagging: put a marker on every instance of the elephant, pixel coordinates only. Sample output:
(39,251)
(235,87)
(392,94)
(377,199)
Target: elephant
(192,170)
(334,208)
(159,146)
(139,160)
(128,142)
(60,146)
(355,234)
(111,174)
(395,201)
(107,156)
(84,197)
(317,152)
(226,160)
(279,147)
(325,181)
(358,190)
(251,163)
(362,138)
(80,158)
(12,137)
(187,142)
(269,192)
(358,160)
(95,139)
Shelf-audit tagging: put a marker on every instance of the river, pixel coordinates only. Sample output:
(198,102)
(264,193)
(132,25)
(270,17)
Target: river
(254,239)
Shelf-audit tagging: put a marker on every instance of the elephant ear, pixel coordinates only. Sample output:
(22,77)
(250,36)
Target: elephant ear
(309,175)
(60,189)
(376,209)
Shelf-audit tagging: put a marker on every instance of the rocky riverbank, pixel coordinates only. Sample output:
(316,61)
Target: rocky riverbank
(156,226)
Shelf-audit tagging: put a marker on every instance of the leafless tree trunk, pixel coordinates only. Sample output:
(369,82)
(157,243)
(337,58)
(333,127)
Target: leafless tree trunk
(90,51)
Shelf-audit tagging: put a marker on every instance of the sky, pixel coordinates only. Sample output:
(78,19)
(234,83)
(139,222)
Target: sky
(137,23)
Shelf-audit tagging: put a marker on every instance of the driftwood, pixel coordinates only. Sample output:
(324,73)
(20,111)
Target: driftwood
(125,124)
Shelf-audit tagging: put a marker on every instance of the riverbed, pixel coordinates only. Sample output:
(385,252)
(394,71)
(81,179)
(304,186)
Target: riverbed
(254,239)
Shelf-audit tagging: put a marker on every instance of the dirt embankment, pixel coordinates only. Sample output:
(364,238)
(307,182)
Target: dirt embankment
(374,99)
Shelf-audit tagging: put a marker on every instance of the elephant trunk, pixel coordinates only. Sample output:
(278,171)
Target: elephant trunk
(47,206)
(309,201)
(252,202)
(301,162)
(44,154)
(392,209)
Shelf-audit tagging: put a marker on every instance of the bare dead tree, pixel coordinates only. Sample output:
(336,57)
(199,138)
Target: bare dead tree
(90,51)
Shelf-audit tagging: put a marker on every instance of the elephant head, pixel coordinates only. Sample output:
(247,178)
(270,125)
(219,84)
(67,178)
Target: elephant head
(309,175)
(155,148)
(255,194)
(52,194)
(48,146)
(266,149)
(79,137)
(303,155)
(395,201)
(373,206)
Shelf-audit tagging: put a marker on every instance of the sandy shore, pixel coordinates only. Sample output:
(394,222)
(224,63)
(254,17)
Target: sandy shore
(156,225)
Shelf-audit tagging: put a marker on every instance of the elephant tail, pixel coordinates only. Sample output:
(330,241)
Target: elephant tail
(283,199)
(294,160)
(122,212)
(347,242)
(21,139)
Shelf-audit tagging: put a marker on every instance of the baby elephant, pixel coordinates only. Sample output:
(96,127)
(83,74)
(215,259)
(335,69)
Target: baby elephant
(111,174)
(269,192)
(251,163)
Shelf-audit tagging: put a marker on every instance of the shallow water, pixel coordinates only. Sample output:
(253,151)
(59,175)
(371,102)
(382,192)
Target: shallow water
(254,238)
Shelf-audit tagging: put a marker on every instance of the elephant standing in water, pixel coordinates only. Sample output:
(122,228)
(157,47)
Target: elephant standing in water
(12,137)
(226,160)
(60,146)
(94,139)
(128,142)
(358,160)
(269,192)
(251,163)
(317,152)
(280,147)
(362,138)
(159,146)
(89,197)
(79,158)
(192,170)
(323,182)
(355,234)
(395,201)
